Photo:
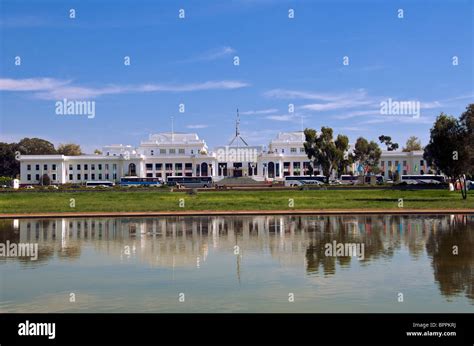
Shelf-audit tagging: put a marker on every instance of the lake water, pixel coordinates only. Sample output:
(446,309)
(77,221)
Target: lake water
(412,263)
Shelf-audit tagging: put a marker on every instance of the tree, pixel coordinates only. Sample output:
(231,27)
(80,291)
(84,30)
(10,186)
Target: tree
(367,153)
(412,144)
(324,151)
(69,149)
(45,180)
(9,165)
(448,148)
(342,147)
(36,146)
(387,140)
(467,122)
(98,152)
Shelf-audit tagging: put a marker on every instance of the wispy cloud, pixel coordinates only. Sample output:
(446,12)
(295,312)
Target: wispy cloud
(295,117)
(213,54)
(197,126)
(259,112)
(52,89)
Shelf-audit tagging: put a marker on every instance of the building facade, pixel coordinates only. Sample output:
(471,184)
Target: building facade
(185,154)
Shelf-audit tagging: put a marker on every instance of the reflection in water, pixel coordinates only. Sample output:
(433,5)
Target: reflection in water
(290,242)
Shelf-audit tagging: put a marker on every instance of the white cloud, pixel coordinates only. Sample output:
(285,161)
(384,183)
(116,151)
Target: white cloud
(212,54)
(53,89)
(309,95)
(262,111)
(197,126)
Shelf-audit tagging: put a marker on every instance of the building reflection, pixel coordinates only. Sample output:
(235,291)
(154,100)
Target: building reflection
(292,241)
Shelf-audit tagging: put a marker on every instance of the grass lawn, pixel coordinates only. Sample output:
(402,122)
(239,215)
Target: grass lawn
(27,202)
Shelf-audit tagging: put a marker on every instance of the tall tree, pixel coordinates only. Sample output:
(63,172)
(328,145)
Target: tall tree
(412,144)
(69,149)
(367,153)
(448,149)
(387,140)
(9,166)
(343,159)
(36,146)
(467,122)
(324,151)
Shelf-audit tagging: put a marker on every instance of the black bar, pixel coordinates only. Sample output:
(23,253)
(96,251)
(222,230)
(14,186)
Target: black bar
(240,329)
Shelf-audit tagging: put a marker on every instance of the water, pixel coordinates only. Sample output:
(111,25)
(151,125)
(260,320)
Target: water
(240,264)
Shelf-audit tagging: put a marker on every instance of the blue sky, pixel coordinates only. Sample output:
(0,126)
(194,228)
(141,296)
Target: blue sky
(190,61)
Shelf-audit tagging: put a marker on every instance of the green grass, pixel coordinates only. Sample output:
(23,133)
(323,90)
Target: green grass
(27,202)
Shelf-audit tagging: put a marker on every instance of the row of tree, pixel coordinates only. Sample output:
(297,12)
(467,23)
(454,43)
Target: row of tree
(450,150)
(9,164)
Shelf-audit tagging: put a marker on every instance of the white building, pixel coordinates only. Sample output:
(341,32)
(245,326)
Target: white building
(185,154)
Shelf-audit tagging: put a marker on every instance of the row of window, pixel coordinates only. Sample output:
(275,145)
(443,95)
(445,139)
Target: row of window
(45,167)
(78,167)
(171,151)
(37,177)
(292,150)
(422,163)
(99,167)
(169,166)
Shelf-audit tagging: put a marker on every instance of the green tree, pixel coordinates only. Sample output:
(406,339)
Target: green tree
(387,140)
(36,146)
(69,149)
(467,122)
(324,151)
(45,180)
(412,144)
(367,153)
(448,148)
(9,166)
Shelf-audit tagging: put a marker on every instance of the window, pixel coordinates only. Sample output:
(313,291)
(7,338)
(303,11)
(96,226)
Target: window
(100,166)
(389,163)
(293,150)
(172,151)
(106,166)
(37,167)
(45,167)
(152,152)
(422,162)
(78,177)
(168,166)
(192,151)
(92,176)
(115,166)
(54,176)
(70,167)
(54,167)
(158,175)
(302,150)
(78,167)
(86,176)
(93,167)
(37,177)
(404,163)
(115,176)
(382,163)
(162,151)
(158,166)
(188,166)
(149,166)
(178,166)
(107,176)
(100,176)
(28,167)
(149,175)
(28,177)
(396,163)
(181,151)
(283,151)
(70,177)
